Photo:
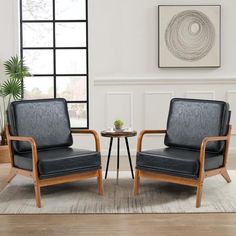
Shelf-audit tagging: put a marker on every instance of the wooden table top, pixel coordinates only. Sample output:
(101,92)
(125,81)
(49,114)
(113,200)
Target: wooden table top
(118,133)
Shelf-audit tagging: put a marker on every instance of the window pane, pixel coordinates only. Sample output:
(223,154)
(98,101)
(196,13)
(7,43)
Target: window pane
(71,34)
(72,88)
(78,114)
(38,87)
(37,35)
(39,61)
(37,9)
(70,9)
(71,61)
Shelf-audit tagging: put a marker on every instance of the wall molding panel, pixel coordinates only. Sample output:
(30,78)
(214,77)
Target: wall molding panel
(119,105)
(105,81)
(153,118)
(201,94)
(144,103)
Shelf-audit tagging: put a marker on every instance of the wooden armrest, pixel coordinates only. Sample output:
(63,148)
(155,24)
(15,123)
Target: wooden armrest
(22,139)
(204,143)
(89,131)
(213,139)
(33,148)
(142,133)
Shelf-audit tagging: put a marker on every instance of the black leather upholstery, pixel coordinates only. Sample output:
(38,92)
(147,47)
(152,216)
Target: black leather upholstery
(190,120)
(46,120)
(61,161)
(176,161)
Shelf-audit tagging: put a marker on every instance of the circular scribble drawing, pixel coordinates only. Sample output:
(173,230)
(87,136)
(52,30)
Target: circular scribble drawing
(190,35)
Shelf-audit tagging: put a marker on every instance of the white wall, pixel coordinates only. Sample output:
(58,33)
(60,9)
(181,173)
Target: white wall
(123,39)
(124,77)
(9,32)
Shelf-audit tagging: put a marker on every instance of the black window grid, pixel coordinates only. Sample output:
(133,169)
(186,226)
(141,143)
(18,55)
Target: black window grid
(54,48)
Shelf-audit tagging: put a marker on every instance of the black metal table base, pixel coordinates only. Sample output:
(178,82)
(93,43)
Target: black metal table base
(118,156)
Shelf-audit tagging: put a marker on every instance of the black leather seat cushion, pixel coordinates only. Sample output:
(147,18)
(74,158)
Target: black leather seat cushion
(190,120)
(61,161)
(46,120)
(176,161)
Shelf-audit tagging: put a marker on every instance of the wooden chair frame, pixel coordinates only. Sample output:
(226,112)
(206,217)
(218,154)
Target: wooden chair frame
(198,183)
(38,183)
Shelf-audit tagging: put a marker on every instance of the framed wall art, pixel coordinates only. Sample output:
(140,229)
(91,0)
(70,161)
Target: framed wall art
(189,36)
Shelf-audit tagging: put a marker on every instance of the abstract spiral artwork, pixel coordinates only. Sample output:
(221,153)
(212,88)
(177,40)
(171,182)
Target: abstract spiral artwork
(189,36)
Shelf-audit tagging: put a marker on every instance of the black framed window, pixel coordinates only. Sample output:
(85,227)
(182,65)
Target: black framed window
(54,45)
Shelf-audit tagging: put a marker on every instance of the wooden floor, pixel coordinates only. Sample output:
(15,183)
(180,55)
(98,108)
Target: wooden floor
(122,224)
(112,225)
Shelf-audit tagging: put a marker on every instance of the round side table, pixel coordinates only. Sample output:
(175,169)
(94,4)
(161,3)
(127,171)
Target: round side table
(119,134)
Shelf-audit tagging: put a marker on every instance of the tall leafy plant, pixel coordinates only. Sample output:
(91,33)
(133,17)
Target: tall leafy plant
(11,89)
(16,69)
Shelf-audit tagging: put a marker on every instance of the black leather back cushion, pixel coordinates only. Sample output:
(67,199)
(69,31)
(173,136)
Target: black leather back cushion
(190,120)
(46,120)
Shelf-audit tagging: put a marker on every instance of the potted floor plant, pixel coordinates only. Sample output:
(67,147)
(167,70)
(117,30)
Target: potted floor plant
(10,90)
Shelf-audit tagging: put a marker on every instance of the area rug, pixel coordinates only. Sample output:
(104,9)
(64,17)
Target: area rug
(155,197)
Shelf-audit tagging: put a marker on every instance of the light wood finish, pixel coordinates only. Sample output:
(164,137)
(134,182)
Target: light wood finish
(4,154)
(198,183)
(38,183)
(68,178)
(199,194)
(37,194)
(168,178)
(100,183)
(225,175)
(119,225)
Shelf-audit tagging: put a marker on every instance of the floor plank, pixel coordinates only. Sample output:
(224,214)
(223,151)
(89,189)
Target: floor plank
(150,224)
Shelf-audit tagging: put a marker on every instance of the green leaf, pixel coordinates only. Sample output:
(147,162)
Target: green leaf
(15,68)
(1,91)
(12,87)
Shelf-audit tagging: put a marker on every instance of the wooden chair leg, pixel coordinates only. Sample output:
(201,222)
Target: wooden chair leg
(100,182)
(225,175)
(199,195)
(136,182)
(11,175)
(37,195)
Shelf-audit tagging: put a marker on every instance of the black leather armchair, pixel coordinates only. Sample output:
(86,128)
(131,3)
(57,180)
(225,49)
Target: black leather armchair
(197,139)
(40,138)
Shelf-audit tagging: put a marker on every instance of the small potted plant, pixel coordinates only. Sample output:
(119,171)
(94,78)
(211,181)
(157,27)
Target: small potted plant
(118,124)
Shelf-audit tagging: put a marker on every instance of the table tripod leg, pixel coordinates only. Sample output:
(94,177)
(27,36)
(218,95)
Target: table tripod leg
(109,155)
(130,162)
(118,158)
